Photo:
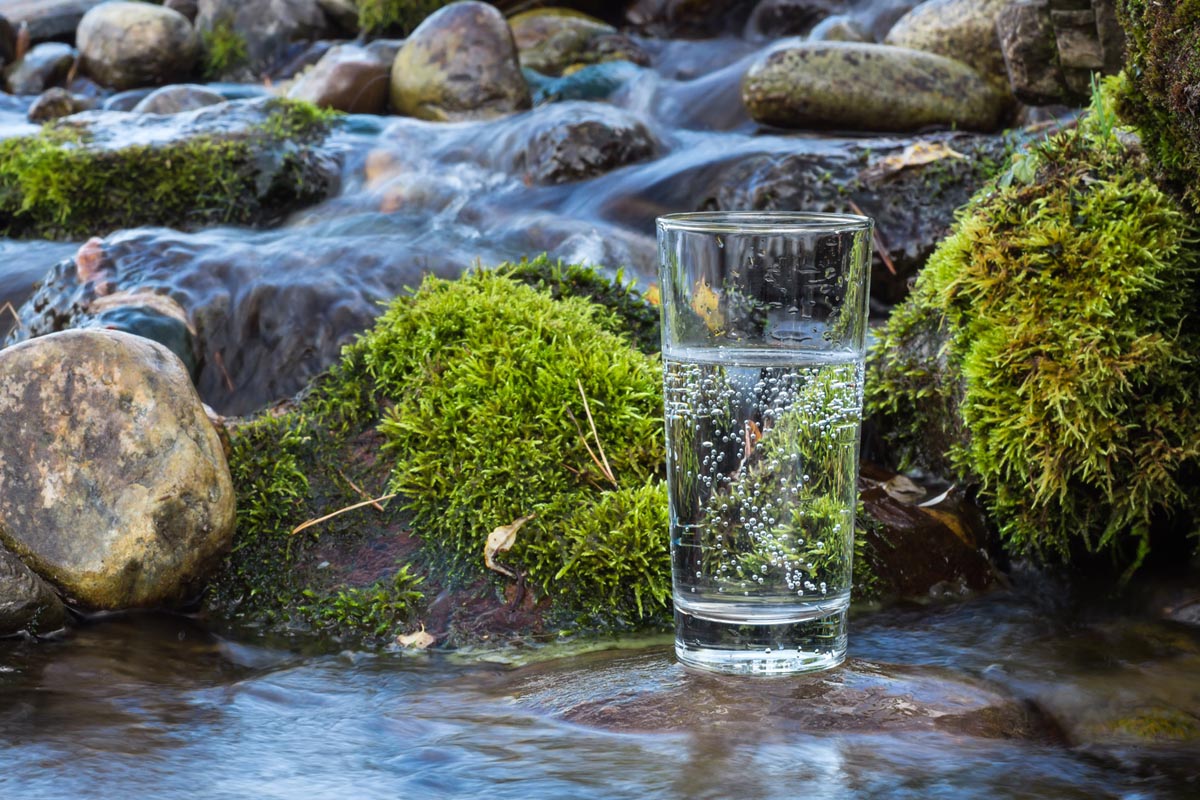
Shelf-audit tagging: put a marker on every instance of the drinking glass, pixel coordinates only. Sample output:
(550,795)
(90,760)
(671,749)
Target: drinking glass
(763,336)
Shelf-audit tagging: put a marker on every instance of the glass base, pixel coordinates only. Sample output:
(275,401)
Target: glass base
(779,649)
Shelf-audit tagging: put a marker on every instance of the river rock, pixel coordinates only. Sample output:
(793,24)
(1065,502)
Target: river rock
(839,28)
(45,65)
(57,102)
(47,19)
(551,40)
(342,14)
(347,78)
(1031,54)
(681,19)
(176,99)
(773,19)
(8,42)
(575,141)
(866,87)
(189,8)
(460,63)
(27,603)
(265,29)
(129,44)
(964,30)
(113,483)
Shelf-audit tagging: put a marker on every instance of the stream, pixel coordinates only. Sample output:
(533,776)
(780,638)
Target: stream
(1023,693)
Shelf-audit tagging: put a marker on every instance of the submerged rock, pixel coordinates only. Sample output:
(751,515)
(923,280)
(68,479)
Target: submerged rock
(45,66)
(126,45)
(461,63)
(964,30)
(552,40)
(113,483)
(57,102)
(27,603)
(242,162)
(347,78)
(866,87)
(177,99)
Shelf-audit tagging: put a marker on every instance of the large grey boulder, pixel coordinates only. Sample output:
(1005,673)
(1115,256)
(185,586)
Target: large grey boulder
(867,87)
(27,603)
(964,30)
(125,45)
(459,64)
(113,482)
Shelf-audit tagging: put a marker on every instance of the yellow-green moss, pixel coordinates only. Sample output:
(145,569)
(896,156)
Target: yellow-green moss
(223,47)
(398,17)
(53,185)
(1050,348)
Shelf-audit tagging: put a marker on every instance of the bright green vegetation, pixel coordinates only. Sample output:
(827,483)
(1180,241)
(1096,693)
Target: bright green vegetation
(54,185)
(224,49)
(1049,352)
(464,399)
(398,17)
(1159,95)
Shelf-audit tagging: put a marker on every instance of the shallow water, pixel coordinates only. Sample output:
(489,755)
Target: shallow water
(153,706)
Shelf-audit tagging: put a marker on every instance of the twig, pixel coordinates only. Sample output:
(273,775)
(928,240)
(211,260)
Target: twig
(877,237)
(319,520)
(220,362)
(602,461)
(8,306)
(354,486)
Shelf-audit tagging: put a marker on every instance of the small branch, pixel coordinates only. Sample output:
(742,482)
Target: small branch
(8,306)
(608,473)
(877,237)
(220,362)
(319,520)
(361,493)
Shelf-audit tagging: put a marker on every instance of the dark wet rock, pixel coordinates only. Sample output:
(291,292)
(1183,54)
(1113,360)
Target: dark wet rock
(113,483)
(126,101)
(861,697)
(348,78)
(57,102)
(264,29)
(552,40)
(865,87)
(27,603)
(298,57)
(176,99)
(461,63)
(188,8)
(47,19)
(44,66)
(774,19)
(245,162)
(593,82)
(342,14)
(920,543)
(576,141)
(8,42)
(839,28)
(671,19)
(126,45)
(384,49)
(964,30)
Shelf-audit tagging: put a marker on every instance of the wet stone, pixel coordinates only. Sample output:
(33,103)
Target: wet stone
(265,29)
(552,40)
(176,99)
(964,30)
(27,603)
(57,102)
(347,78)
(125,45)
(43,67)
(773,19)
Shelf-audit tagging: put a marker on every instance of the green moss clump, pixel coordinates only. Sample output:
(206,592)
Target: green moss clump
(54,185)
(1050,347)
(1161,92)
(224,49)
(464,399)
(398,17)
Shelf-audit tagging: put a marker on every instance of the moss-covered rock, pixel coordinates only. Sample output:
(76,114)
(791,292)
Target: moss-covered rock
(244,162)
(465,401)
(554,40)
(1049,354)
(1161,95)
(399,17)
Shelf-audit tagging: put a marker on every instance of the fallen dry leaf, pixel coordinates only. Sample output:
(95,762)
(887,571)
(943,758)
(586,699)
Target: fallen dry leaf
(417,640)
(903,489)
(915,155)
(501,540)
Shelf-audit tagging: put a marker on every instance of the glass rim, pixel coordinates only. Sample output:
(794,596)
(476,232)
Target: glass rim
(763,222)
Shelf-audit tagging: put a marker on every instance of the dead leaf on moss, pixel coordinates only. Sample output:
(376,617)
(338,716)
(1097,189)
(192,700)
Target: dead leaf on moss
(417,640)
(501,540)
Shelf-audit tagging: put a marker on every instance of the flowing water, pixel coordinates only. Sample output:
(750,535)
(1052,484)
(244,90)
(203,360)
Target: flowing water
(1001,697)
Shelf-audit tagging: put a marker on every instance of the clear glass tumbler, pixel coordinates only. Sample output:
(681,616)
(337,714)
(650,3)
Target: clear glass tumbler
(764,320)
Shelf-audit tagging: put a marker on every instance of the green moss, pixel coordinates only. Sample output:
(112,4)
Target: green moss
(224,49)
(398,17)
(53,185)
(1156,725)
(463,398)
(1159,94)
(1048,353)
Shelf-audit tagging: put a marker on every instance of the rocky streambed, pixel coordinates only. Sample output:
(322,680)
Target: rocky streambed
(235,220)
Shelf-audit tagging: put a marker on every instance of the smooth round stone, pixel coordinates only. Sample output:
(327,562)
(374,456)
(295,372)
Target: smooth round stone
(960,29)
(176,99)
(127,44)
(347,78)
